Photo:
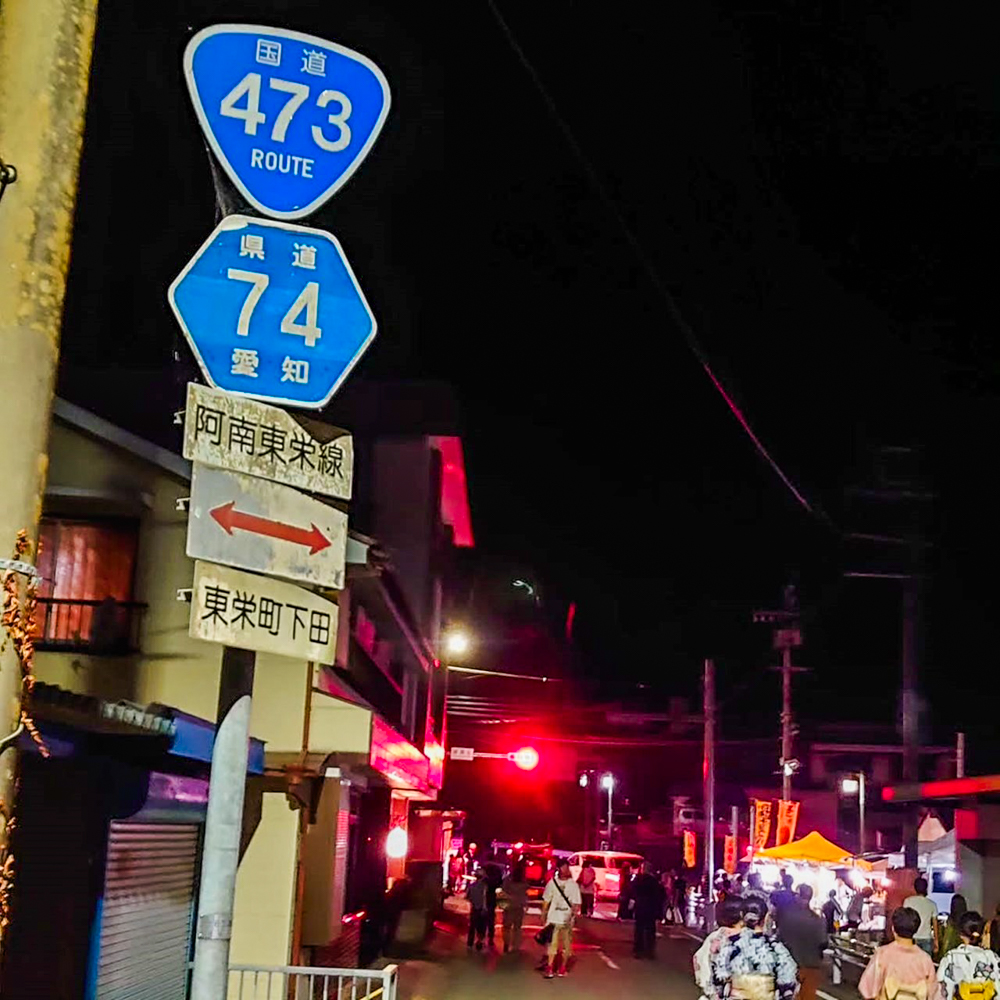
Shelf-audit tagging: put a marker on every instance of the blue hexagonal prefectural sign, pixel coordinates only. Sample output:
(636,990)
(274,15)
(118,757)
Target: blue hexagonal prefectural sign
(273,311)
(289,116)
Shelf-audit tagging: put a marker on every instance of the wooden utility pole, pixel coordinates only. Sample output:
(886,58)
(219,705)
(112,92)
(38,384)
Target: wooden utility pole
(45,50)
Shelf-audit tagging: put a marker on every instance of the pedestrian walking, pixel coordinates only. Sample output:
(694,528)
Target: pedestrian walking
(832,913)
(753,965)
(900,968)
(624,890)
(515,901)
(782,896)
(926,935)
(476,895)
(952,936)
(561,903)
(456,868)
(730,918)
(648,896)
(803,933)
(494,879)
(667,884)
(679,901)
(969,971)
(588,886)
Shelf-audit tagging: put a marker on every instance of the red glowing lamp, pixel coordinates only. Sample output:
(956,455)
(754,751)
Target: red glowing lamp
(526,758)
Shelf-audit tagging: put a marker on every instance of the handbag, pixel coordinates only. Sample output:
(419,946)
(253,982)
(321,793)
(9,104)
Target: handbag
(544,936)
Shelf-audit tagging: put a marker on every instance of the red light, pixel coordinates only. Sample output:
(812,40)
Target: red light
(526,758)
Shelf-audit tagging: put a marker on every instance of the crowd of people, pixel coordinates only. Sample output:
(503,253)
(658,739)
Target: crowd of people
(772,949)
(766,946)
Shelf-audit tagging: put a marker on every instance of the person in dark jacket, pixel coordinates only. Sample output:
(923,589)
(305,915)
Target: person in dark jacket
(832,912)
(648,895)
(494,879)
(624,890)
(803,933)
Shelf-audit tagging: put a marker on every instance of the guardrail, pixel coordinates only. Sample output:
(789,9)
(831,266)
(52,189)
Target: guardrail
(303,982)
(847,951)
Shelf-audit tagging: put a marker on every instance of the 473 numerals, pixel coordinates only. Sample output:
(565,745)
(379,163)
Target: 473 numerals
(298,94)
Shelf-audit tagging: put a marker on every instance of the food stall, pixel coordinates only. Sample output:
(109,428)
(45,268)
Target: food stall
(824,866)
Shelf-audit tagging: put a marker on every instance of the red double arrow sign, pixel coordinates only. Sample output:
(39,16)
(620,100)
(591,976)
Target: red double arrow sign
(228,518)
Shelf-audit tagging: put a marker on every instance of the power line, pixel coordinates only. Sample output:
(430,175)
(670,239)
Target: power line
(643,258)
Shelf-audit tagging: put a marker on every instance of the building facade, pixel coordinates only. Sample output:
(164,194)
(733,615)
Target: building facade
(341,750)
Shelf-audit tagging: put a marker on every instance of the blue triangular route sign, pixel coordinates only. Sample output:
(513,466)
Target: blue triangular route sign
(289,116)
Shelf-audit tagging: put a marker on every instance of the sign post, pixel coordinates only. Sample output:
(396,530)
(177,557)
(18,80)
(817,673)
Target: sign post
(272,312)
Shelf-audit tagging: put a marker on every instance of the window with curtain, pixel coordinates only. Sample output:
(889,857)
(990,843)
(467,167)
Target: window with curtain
(87,569)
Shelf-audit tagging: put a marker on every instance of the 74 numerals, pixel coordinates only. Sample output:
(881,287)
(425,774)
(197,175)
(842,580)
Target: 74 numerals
(307,301)
(298,94)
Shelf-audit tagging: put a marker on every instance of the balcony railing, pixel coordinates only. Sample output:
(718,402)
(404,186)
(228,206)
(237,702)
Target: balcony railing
(100,628)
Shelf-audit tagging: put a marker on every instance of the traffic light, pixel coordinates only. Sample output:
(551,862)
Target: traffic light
(526,758)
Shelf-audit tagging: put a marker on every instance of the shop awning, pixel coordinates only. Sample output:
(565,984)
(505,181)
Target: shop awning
(814,849)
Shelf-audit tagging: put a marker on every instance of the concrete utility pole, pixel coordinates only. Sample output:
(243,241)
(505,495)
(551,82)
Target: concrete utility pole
(787,635)
(45,49)
(223,826)
(861,812)
(709,770)
(787,723)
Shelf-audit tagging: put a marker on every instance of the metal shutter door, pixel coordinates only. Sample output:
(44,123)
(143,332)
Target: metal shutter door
(147,913)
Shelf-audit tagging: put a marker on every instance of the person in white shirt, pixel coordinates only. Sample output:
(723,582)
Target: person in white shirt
(969,965)
(561,903)
(926,937)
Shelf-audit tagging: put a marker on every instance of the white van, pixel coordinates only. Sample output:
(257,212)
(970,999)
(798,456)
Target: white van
(606,867)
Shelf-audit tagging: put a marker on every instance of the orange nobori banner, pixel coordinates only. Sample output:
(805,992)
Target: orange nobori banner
(729,854)
(761,823)
(788,818)
(690,849)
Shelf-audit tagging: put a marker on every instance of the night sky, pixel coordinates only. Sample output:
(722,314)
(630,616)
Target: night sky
(812,187)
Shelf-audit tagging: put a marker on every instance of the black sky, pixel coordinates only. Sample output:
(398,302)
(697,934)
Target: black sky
(814,183)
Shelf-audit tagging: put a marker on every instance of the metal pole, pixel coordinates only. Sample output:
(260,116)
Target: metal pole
(223,826)
(960,755)
(611,836)
(861,812)
(786,722)
(709,770)
(45,52)
(910,653)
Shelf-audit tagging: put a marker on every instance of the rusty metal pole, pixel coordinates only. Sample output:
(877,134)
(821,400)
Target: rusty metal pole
(45,51)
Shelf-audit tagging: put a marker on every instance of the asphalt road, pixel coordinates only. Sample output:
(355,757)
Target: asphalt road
(604,968)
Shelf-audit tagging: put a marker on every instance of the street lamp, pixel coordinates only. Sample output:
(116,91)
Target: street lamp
(854,784)
(608,784)
(457,643)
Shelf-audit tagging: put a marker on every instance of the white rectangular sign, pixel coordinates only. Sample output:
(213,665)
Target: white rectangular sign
(463,753)
(265,527)
(232,432)
(256,612)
